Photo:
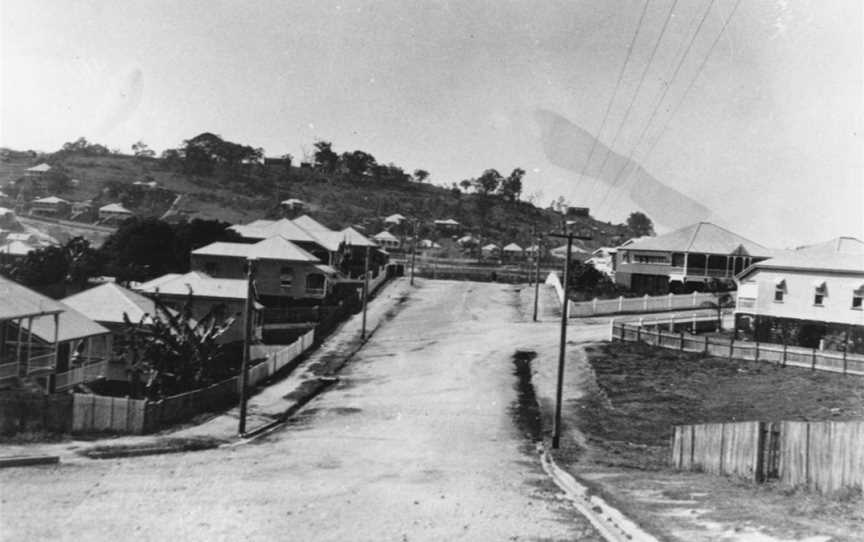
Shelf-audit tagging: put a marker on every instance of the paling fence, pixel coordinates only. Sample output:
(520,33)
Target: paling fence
(625,305)
(93,413)
(822,456)
(785,355)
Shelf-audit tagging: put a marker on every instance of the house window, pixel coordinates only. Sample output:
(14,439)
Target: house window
(315,283)
(819,293)
(858,298)
(779,291)
(286,278)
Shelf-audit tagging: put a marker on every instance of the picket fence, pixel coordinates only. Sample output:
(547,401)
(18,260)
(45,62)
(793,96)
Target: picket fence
(785,355)
(821,456)
(94,413)
(625,305)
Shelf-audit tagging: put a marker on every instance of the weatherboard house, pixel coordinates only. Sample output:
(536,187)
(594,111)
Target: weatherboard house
(114,212)
(685,260)
(812,297)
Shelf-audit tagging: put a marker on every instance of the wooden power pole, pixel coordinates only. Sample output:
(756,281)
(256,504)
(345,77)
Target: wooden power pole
(247,339)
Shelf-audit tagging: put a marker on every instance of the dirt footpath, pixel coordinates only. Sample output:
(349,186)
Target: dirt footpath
(416,442)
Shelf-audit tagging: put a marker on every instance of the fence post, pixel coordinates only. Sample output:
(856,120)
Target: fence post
(731,346)
(620,303)
(682,340)
(706,345)
(813,362)
(694,300)
(639,331)
(756,358)
(612,329)
(594,306)
(671,297)
(693,327)
(645,303)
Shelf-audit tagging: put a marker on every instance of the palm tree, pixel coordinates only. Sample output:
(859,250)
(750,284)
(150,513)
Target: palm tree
(722,300)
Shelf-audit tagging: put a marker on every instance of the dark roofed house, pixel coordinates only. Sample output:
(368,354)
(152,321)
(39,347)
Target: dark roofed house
(685,260)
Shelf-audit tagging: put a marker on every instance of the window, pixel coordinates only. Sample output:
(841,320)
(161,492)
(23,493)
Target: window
(779,290)
(858,298)
(315,283)
(654,259)
(819,293)
(286,278)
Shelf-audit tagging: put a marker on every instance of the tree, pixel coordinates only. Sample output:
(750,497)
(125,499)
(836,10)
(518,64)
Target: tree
(588,282)
(178,352)
(197,233)
(82,146)
(488,182)
(420,175)
(639,225)
(466,184)
(511,187)
(358,163)
(325,158)
(141,150)
(722,300)
(82,261)
(142,249)
(42,267)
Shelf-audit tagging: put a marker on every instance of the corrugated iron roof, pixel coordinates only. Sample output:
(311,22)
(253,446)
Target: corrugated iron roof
(199,284)
(272,248)
(842,245)
(17,301)
(702,237)
(72,325)
(109,302)
(512,247)
(310,224)
(817,262)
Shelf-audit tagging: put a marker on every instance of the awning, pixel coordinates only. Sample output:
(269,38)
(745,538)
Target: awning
(819,284)
(780,283)
(326,269)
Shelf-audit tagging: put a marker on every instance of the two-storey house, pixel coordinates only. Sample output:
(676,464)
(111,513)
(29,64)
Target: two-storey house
(685,260)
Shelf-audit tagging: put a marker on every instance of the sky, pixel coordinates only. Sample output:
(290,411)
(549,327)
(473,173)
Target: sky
(764,133)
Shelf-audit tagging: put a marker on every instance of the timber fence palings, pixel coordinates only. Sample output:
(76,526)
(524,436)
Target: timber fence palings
(783,355)
(822,456)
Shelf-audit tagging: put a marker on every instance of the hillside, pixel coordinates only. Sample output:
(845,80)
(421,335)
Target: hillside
(252,191)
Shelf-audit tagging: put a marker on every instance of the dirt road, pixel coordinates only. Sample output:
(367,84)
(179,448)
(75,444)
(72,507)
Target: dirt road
(417,442)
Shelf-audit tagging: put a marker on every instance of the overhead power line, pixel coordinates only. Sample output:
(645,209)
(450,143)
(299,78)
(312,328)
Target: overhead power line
(636,93)
(657,104)
(683,98)
(614,92)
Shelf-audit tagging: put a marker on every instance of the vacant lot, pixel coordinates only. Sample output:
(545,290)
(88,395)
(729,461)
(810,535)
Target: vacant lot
(626,417)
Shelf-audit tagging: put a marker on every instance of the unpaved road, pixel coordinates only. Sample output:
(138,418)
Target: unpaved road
(416,443)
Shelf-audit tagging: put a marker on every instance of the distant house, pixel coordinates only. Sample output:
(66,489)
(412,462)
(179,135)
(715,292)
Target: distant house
(108,304)
(395,219)
(447,225)
(576,252)
(513,252)
(14,250)
(427,244)
(225,297)
(81,207)
(283,271)
(146,184)
(467,241)
(52,206)
(578,211)
(810,297)
(685,260)
(387,240)
(532,251)
(293,205)
(114,212)
(490,250)
(323,247)
(37,171)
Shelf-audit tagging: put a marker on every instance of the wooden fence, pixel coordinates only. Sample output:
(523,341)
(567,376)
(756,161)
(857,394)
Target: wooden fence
(821,456)
(785,355)
(629,305)
(92,413)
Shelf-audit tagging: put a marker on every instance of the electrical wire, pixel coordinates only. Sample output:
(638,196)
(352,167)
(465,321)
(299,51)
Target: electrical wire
(614,92)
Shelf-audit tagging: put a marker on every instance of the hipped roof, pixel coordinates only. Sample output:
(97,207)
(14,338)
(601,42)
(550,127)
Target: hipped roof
(19,301)
(109,302)
(273,248)
(702,237)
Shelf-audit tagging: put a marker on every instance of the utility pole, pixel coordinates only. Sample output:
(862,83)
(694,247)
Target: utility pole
(247,339)
(365,293)
(413,251)
(536,275)
(559,390)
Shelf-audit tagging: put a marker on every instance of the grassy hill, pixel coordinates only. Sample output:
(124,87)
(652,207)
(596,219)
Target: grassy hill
(253,191)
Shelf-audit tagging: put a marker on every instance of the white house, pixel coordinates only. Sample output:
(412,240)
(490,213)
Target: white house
(513,252)
(37,171)
(810,297)
(603,260)
(394,219)
(490,250)
(387,240)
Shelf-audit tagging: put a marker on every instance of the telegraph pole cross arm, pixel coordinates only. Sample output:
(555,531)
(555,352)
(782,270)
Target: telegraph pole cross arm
(559,390)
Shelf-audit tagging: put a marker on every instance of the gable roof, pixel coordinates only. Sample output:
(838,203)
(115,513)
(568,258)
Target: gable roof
(261,223)
(354,238)
(200,284)
(71,325)
(394,219)
(512,247)
(703,237)
(19,301)
(40,168)
(490,246)
(272,248)
(109,302)
(841,245)
(448,222)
